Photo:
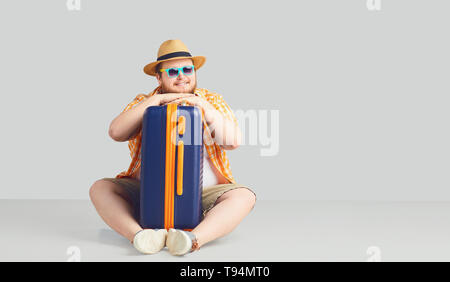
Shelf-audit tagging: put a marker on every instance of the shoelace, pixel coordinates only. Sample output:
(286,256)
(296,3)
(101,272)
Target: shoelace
(195,246)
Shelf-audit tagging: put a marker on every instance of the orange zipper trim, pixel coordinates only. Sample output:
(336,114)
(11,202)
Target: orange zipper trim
(167,172)
(170,166)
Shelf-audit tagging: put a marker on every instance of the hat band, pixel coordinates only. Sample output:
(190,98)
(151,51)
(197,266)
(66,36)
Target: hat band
(173,55)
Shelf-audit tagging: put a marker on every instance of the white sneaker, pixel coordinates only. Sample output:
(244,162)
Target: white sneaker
(180,242)
(150,241)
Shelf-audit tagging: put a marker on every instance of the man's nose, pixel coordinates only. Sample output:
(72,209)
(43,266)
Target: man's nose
(180,75)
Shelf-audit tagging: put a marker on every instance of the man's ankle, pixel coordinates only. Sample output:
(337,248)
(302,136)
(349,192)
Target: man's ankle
(196,242)
(131,238)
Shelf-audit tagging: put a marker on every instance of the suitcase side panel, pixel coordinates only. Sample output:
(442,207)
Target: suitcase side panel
(188,206)
(153,167)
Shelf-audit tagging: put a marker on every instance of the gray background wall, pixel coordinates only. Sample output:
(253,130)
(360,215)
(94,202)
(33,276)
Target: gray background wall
(362,95)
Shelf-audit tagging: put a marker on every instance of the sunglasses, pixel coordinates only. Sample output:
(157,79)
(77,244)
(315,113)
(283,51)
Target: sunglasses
(174,72)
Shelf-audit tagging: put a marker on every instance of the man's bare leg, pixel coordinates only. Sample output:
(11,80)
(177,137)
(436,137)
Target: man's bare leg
(114,208)
(229,211)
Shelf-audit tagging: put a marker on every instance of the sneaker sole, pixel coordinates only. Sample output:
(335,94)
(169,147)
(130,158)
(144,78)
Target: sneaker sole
(178,242)
(150,241)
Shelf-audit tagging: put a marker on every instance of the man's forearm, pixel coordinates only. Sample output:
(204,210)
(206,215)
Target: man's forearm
(126,125)
(223,130)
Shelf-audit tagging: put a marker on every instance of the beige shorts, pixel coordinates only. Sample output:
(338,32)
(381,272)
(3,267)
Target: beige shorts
(209,195)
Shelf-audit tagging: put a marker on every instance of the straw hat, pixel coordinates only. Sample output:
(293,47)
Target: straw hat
(172,50)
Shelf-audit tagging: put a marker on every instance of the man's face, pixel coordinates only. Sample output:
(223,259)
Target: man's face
(180,84)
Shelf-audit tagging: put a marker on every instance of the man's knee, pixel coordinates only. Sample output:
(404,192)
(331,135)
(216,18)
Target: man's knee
(242,194)
(102,188)
(97,189)
(250,196)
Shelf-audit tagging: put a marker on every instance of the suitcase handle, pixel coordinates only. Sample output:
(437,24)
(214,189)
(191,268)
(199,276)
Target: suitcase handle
(180,168)
(181,125)
(180,161)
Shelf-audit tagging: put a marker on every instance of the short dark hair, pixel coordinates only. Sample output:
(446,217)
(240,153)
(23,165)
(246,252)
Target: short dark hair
(158,69)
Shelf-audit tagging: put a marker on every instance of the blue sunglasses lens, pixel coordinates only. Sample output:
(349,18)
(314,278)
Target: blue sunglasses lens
(173,72)
(188,70)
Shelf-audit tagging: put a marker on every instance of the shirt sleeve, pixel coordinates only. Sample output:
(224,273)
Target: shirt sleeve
(132,142)
(136,101)
(219,104)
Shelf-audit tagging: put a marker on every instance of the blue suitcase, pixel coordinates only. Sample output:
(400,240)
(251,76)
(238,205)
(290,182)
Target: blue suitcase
(171,167)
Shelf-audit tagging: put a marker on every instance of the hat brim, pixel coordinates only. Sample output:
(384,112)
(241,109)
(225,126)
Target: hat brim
(198,61)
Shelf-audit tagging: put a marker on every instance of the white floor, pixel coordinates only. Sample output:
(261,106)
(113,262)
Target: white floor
(44,230)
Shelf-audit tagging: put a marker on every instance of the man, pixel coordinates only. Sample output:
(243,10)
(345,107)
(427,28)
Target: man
(225,203)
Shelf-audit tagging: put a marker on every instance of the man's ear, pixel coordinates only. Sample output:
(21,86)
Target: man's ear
(158,77)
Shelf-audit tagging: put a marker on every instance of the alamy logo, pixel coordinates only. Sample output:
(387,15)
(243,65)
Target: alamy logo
(374,254)
(74,254)
(261,128)
(373,5)
(258,128)
(73,5)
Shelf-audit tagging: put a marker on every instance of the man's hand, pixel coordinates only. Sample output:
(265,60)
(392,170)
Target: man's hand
(209,111)
(162,99)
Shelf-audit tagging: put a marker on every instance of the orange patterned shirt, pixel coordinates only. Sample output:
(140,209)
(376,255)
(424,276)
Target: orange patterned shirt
(215,151)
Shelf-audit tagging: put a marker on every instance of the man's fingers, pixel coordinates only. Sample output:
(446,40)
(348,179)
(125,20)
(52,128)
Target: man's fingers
(173,97)
(177,101)
(179,95)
